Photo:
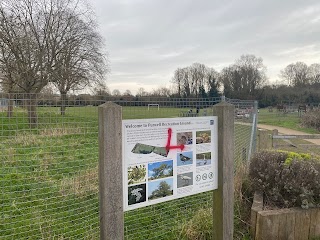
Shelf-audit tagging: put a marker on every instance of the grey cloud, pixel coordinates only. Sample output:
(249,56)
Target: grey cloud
(155,37)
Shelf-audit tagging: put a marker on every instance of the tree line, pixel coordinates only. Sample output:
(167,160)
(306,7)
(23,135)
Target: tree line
(246,79)
(240,79)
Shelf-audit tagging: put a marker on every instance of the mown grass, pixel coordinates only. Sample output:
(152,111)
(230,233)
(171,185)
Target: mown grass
(49,182)
(291,121)
(287,120)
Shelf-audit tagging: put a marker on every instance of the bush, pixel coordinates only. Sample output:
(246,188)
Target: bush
(311,119)
(286,179)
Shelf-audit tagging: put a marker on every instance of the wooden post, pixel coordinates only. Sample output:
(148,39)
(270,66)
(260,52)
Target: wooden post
(274,132)
(257,206)
(223,197)
(110,172)
(265,140)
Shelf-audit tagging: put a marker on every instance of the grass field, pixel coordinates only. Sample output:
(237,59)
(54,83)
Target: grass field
(288,120)
(291,121)
(49,182)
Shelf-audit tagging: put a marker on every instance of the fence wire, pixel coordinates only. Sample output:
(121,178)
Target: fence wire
(49,165)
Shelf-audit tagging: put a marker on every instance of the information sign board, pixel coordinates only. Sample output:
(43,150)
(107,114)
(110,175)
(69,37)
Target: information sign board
(168,158)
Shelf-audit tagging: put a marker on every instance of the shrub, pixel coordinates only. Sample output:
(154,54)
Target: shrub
(286,179)
(311,119)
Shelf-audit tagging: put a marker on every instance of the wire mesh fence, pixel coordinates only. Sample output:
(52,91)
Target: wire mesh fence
(246,119)
(49,161)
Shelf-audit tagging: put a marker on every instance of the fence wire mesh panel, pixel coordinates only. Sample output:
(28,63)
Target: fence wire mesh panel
(246,119)
(49,165)
(48,173)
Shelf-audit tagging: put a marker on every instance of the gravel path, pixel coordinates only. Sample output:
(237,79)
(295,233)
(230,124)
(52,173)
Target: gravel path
(287,131)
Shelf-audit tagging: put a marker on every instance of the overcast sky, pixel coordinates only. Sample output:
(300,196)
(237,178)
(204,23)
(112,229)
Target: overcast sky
(147,40)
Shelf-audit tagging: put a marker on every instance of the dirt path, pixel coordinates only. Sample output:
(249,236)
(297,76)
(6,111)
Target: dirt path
(287,131)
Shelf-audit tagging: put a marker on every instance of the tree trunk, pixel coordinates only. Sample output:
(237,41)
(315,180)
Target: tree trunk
(63,107)
(31,104)
(10,106)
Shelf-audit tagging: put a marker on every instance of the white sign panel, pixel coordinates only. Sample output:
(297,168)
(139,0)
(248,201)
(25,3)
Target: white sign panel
(168,158)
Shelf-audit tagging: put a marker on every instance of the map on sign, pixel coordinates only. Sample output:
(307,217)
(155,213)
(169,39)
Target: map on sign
(168,158)
(140,148)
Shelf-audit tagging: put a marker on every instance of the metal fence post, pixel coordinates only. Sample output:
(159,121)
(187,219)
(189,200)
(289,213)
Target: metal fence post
(253,137)
(110,172)
(223,197)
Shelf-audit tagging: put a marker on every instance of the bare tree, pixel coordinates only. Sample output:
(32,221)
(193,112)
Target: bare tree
(101,89)
(101,92)
(252,72)
(314,73)
(177,80)
(212,83)
(231,81)
(141,92)
(7,76)
(197,72)
(244,78)
(81,62)
(161,92)
(116,92)
(127,93)
(296,74)
(190,79)
(25,33)
(36,42)
(195,80)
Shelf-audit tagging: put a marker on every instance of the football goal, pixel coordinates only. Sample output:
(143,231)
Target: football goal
(153,105)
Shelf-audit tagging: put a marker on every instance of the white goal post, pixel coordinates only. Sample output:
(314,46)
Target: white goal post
(153,105)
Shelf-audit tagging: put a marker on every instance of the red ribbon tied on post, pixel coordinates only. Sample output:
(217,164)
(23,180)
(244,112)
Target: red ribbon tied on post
(168,146)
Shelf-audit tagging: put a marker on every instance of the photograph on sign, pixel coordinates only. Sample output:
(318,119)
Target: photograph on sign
(168,158)
(203,159)
(184,138)
(184,158)
(161,169)
(185,179)
(136,194)
(137,174)
(160,189)
(203,137)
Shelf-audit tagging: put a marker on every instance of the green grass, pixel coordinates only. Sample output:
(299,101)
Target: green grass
(48,176)
(291,121)
(288,120)
(49,182)
(39,175)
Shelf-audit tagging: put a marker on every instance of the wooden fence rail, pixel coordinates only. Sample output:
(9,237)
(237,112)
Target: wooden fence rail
(266,140)
(313,136)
